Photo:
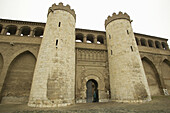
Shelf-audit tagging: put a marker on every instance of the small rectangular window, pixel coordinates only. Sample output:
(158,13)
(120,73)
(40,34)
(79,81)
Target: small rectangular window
(56,43)
(59,24)
(109,37)
(127,32)
(111,52)
(131,48)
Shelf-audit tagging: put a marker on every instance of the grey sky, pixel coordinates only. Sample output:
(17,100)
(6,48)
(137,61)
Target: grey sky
(151,17)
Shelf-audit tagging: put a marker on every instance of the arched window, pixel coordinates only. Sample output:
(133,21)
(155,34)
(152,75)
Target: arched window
(164,46)
(79,37)
(0,28)
(157,44)
(38,32)
(150,43)
(25,31)
(137,40)
(11,30)
(143,42)
(90,38)
(100,39)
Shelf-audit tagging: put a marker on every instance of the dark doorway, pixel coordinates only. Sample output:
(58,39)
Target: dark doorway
(92,91)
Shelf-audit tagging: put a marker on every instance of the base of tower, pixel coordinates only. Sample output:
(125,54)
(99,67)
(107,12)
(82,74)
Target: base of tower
(48,103)
(132,101)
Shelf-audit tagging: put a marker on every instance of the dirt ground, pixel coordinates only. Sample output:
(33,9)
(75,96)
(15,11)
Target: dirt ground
(159,104)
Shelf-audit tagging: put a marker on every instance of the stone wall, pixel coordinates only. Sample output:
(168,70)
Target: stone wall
(157,66)
(91,61)
(54,76)
(91,65)
(18,57)
(127,77)
(17,84)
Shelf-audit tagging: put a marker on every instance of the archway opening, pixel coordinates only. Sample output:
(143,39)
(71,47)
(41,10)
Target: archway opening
(165,68)
(100,39)
(157,44)
(79,37)
(152,77)
(17,84)
(164,46)
(143,42)
(150,42)
(1,63)
(11,30)
(92,91)
(90,38)
(25,31)
(38,32)
(137,40)
(0,28)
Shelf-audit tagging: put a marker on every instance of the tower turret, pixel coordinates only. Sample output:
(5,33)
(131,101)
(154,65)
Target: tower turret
(54,75)
(128,82)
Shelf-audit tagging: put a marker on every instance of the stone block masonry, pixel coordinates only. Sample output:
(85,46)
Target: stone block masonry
(54,64)
(54,77)
(127,77)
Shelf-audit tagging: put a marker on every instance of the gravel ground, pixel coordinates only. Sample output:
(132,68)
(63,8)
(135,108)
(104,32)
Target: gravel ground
(159,104)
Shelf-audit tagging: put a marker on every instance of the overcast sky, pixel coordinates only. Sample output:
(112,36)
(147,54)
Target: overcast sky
(150,17)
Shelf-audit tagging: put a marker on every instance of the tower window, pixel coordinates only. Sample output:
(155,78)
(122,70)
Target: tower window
(109,37)
(56,43)
(131,48)
(111,52)
(127,32)
(59,24)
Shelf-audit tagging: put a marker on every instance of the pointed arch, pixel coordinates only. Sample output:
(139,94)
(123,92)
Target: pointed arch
(22,51)
(1,63)
(17,84)
(165,70)
(152,77)
(81,84)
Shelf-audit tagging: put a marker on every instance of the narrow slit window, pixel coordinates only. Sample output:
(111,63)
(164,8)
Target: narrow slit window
(109,37)
(56,43)
(127,32)
(59,24)
(111,52)
(131,48)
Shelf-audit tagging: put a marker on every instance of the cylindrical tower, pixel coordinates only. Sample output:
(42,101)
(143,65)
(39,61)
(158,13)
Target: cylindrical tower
(54,75)
(128,82)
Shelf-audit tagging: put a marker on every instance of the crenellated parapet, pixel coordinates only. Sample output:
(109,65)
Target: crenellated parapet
(117,16)
(60,6)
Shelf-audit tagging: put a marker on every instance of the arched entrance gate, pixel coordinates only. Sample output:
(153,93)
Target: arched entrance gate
(92,91)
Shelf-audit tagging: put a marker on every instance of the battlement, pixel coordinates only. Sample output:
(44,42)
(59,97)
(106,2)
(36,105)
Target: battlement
(117,16)
(60,6)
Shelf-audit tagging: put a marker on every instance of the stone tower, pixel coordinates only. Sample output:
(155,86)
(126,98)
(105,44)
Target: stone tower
(54,75)
(128,82)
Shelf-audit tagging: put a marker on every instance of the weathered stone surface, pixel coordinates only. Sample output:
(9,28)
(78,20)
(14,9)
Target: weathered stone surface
(54,77)
(81,55)
(126,72)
